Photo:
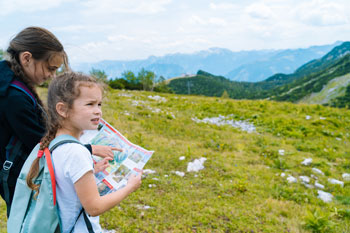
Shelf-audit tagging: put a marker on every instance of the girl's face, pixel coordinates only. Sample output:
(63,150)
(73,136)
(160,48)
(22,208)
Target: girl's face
(40,71)
(86,110)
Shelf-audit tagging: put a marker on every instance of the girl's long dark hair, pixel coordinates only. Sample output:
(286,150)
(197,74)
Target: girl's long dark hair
(41,43)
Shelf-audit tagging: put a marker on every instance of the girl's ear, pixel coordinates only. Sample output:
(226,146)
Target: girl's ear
(62,109)
(25,58)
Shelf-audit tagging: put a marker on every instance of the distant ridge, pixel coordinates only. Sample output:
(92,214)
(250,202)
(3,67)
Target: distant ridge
(252,66)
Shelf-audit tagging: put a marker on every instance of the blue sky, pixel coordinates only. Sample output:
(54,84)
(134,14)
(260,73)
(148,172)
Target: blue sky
(94,30)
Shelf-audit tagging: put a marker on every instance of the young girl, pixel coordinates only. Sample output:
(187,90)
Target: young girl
(34,55)
(74,105)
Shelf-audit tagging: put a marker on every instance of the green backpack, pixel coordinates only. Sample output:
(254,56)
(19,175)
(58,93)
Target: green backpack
(40,214)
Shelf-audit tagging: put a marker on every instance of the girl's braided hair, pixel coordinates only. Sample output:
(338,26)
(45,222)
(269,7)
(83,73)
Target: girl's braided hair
(65,89)
(41,43)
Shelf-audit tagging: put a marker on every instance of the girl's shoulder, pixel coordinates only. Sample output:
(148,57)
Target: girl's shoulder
(69,149)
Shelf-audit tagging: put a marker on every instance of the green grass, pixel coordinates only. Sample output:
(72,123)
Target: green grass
(240,189)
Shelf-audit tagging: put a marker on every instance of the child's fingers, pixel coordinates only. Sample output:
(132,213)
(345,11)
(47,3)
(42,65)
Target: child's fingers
(118,149)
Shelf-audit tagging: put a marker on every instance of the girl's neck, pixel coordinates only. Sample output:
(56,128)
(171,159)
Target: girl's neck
(70,132)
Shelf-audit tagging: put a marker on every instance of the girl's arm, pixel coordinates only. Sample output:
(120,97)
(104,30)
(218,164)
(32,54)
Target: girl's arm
(93,203)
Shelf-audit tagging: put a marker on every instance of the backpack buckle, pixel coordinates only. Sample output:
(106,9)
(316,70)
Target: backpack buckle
(7,165)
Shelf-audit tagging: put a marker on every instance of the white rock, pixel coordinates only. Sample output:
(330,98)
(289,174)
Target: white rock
(309,186)
(148,171)
(157,98)
(283,174)
(182,158)
(346,176)
(155,179)
(281,152)
(151,185)
(304,179)
(166,176)
(324,196)
(334,181)
(322,118)
(314,177)
(317,171)
(143,207)
(196,165)
(339,139)
(307,161)
(318,185)
(222,120)
(108,231)
(291,179)
(182,174)
(308,117)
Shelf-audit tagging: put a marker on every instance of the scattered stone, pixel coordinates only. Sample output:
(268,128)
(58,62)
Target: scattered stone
(196,165)
(317,171)
(157,98)
(182,174)
(324,196)
(318,185)
(291,179)
(322,118)
(126,113)
(281,152)
(314,177)
(108,231)
(166,175)
(148,171)
(182,158)
(309,186)
(339,139)
(222,120)
(334,181)
(346,176)
(155,179)
(308,117)
(307,162)
(125,95)
(152,185)
(304,179)
(283,174)
(143,207)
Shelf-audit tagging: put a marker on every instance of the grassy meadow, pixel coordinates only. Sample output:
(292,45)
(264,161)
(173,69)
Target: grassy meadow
(241,188)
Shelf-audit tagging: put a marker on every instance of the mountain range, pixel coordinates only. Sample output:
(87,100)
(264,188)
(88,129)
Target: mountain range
(320,81)
(252,66)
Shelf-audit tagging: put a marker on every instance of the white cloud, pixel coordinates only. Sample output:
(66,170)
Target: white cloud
(222,6)
(141,7)
(323,13)
(259,10)
(8,7)
(213,21)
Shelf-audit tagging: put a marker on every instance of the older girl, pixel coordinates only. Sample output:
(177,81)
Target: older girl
(34,55)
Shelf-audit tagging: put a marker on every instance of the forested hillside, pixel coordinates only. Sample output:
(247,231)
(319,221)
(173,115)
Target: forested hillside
(309,78)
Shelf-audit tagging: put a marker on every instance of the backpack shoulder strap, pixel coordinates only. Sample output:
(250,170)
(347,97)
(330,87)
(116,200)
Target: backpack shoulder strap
(20,86)
(62,139)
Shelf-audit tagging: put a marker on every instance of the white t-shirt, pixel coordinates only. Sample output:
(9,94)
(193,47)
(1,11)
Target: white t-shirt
(72,161)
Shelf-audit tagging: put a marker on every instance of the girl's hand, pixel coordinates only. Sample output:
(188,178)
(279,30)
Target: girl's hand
(134,182)
(101,165)
(104,151)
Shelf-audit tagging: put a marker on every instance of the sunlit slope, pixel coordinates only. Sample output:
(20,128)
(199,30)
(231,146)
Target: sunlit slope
(335,88)
(240,188)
